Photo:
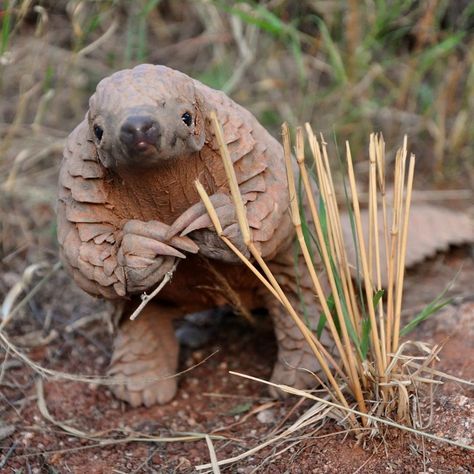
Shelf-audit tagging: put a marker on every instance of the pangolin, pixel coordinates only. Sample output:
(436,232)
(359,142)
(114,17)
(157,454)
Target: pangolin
(128,213)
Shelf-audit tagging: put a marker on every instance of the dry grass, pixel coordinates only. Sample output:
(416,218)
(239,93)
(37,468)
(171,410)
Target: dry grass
(375,369)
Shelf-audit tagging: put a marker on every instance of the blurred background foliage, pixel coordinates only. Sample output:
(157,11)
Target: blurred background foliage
(348,67)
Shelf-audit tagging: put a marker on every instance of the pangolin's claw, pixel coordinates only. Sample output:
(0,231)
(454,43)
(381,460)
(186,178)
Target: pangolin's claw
(139,245)
(158,231)
(194,213)
(225,214)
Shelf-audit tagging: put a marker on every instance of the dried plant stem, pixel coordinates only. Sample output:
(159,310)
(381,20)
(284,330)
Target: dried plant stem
(374,333)
(354,314)
(333,226)
(391,258)
(347,355)
(295,216)
(402,255)
(147,298)
(8,317)
(234,186)
(334,222)
(232,296)
(272,285)
(313,342)
(356,412)
(319,230)
(380,157)
(217,225)
(374,232)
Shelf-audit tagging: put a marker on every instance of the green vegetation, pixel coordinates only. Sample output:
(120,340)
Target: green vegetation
(346,67)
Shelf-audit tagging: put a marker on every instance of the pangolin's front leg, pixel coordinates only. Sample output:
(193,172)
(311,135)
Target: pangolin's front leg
(146,357)
(196,222)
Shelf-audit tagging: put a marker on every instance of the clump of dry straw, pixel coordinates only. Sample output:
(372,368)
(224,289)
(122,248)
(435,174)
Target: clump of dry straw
(376,380)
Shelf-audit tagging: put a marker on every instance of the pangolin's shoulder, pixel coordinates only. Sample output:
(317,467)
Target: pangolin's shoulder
(258,162)
(248,142)
(82,189)
(81,173)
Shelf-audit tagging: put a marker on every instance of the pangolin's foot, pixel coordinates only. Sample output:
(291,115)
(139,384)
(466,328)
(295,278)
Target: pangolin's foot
(146,358)
(296,367)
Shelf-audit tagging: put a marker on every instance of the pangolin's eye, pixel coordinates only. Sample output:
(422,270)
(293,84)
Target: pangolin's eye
(187,118)
(98,132)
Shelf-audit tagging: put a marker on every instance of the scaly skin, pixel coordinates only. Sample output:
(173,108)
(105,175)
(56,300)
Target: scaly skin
(128,212)
(119,218)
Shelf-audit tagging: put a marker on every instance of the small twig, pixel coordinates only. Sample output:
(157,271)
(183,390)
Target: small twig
(232,295)
(386,421)
(9,315)
(99,41)
(4,461)
(129,436)
(212,455)
(146,298)
(94,379)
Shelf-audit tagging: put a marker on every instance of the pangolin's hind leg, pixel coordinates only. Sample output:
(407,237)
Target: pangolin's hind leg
(294,353)
(146,350)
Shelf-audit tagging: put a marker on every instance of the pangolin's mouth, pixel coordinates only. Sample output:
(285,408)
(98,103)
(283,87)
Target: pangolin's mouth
(143,146)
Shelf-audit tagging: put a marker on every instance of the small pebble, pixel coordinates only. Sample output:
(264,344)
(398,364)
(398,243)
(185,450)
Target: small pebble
(266,417)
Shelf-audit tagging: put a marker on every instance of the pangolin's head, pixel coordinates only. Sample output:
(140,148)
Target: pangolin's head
(144,116)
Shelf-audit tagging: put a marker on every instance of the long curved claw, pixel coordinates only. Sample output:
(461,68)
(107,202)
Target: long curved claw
(136,244)
(184,243)
(194,213)
(226,215)
(157,231)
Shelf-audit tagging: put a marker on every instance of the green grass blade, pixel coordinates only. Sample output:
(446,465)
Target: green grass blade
(425,313)
(430,309)
(377,297)
(322,317)
(335,58)
(6,27)
(365,338)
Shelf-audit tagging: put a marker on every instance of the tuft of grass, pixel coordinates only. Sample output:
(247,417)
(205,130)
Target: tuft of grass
(371,367)
(374,385)
(136,48)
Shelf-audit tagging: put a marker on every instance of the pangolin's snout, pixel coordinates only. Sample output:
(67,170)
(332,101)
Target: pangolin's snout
(139,133)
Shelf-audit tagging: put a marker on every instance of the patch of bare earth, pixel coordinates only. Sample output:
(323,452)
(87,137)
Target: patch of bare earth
(212,401)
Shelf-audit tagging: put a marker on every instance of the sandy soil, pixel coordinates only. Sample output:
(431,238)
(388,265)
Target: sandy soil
(211,401)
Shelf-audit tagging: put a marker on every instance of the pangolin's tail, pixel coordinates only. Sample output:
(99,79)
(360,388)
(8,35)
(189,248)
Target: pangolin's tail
(431,229)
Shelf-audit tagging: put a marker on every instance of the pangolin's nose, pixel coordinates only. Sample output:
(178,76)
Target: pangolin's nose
(139,132)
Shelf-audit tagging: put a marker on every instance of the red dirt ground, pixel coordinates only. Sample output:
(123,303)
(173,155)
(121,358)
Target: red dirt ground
(214,402)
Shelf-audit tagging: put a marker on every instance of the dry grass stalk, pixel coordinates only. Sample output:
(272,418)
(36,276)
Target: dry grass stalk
(374,334)
(317,348)
(146,298)
(402,254)
(315,415)
(365,332)
(127,435)
(346,354)
(51,374)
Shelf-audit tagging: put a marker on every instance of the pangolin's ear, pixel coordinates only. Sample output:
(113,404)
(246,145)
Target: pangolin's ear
(197,138)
